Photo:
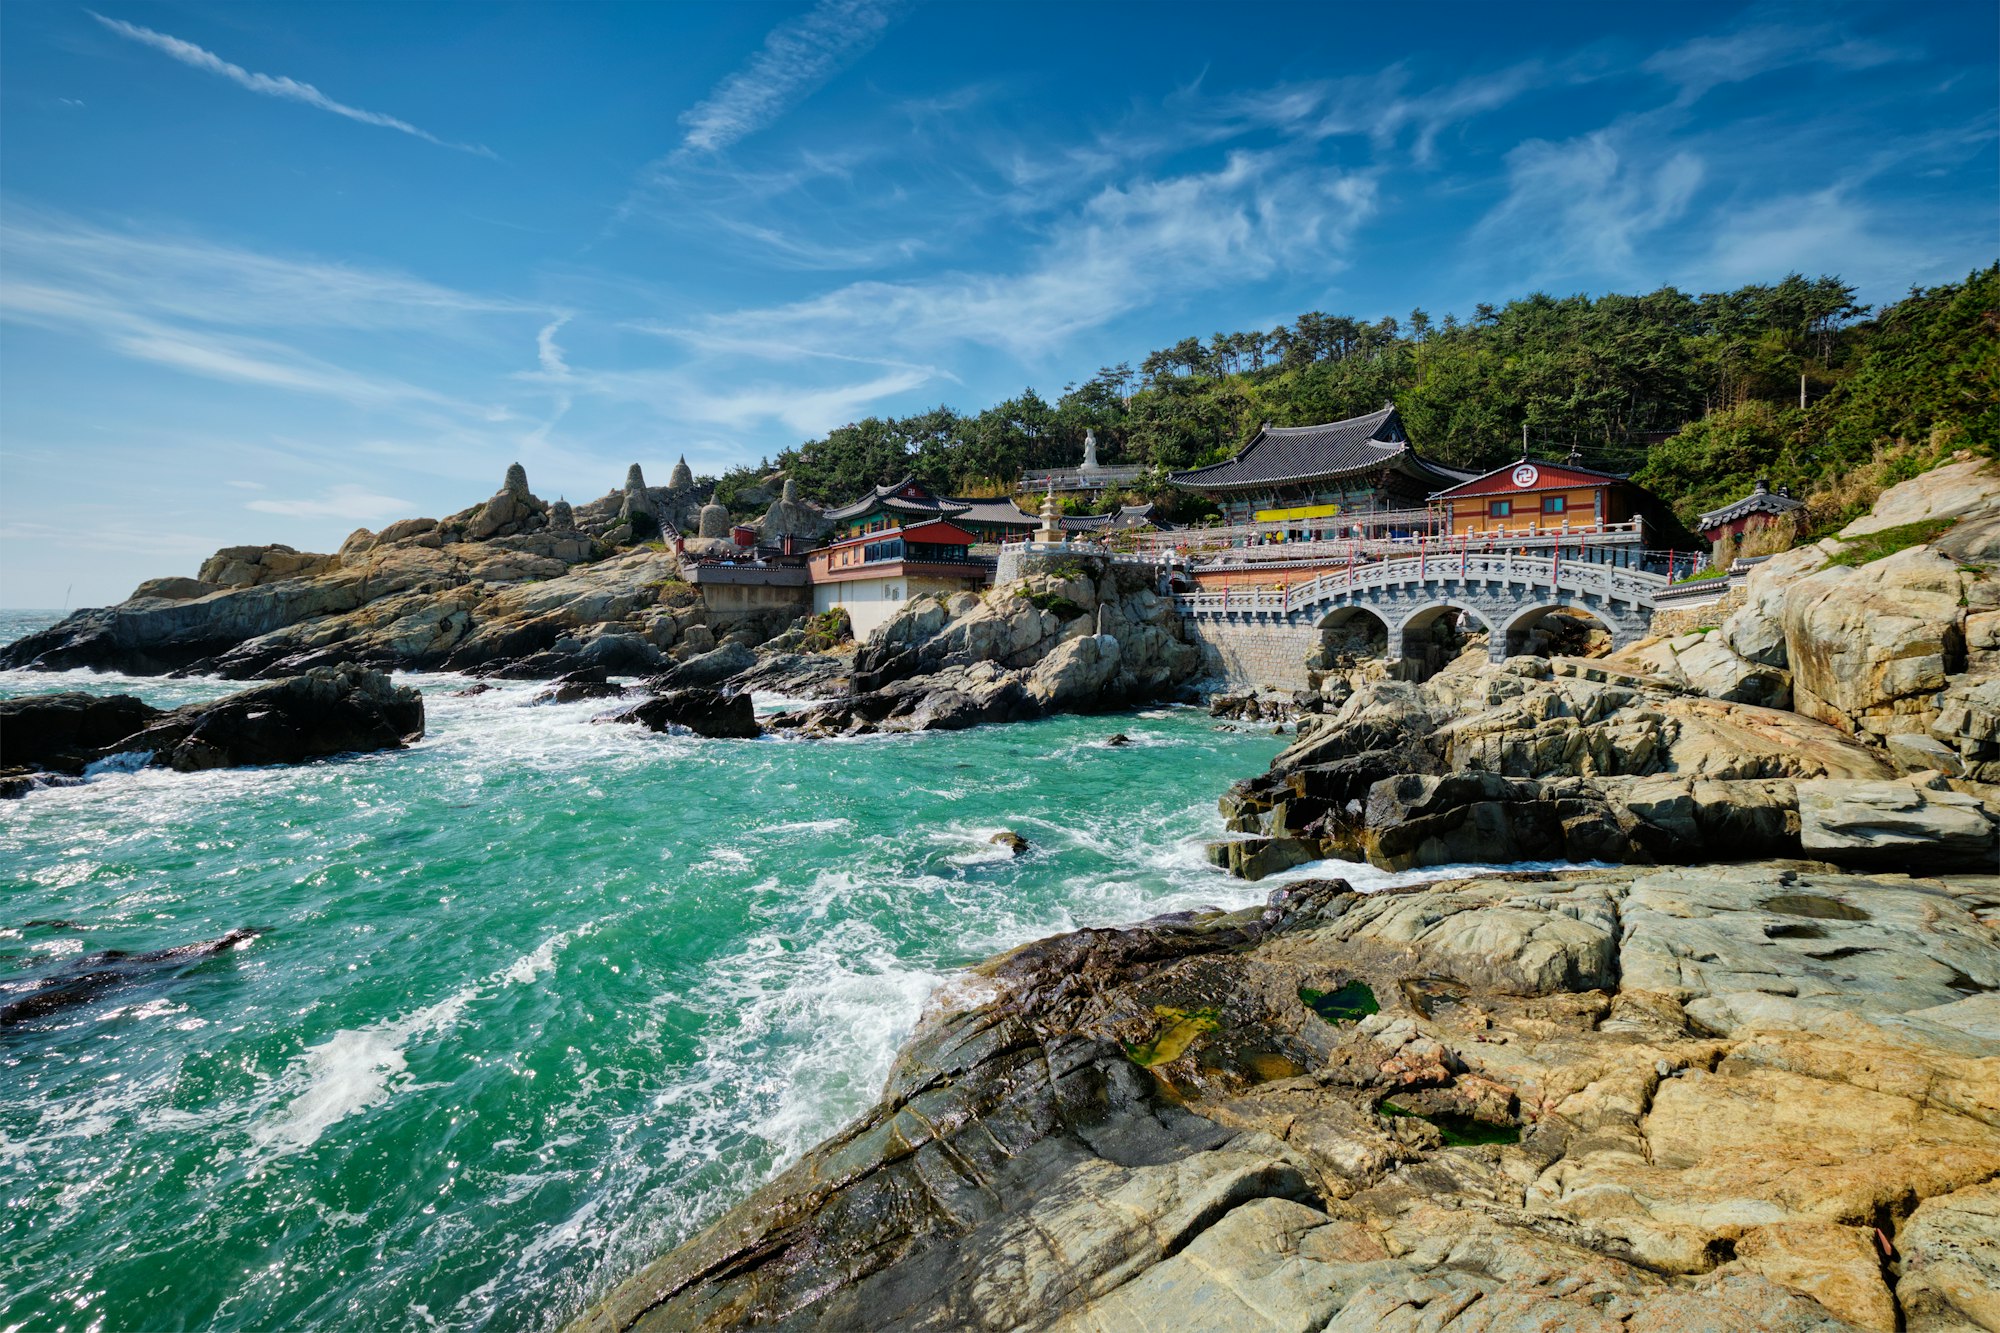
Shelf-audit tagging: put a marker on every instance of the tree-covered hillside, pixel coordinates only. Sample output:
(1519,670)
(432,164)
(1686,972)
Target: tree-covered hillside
(1695,395)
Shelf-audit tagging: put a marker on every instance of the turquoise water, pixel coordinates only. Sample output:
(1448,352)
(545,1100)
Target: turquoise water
(535,999)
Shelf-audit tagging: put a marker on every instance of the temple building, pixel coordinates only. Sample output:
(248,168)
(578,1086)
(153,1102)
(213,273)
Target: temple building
(994,521)
(872,574)
(1564,504)
(1759,511)
(1324,477)
(884,507)
(1129,518)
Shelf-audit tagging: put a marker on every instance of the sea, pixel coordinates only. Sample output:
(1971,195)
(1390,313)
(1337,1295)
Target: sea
(528,1002)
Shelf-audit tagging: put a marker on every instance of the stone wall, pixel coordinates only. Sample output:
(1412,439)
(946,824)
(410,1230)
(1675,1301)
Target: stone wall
(1669,621)
(1252,653)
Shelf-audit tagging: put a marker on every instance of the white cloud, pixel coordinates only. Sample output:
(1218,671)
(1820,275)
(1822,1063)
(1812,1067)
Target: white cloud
(1709,62)
(548,353)
(344,501)
(796,59)
(1127,247)
(1580,209)
(1830,231)
(694,394)
(210,355)
(290,90)
(239,316)
(203,282)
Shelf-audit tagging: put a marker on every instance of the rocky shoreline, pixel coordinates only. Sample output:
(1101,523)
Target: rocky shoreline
(53,739)
(1752,1097)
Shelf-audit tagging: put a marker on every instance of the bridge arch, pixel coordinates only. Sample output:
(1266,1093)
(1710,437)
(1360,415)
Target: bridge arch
(1414,632)
(1351,631)
(1514,639)
(1425,650)
(1268,635)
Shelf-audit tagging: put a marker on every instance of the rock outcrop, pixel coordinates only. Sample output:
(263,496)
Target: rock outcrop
(1745,1098)
(1888,650)
(250,566)
(1576,760)
(63,733)
(704,712)
(327,711)
(1099,637)
(509,584)
(411,597)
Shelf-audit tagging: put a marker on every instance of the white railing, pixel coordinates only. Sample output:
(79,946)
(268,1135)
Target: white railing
(1244,543)
(1574,576)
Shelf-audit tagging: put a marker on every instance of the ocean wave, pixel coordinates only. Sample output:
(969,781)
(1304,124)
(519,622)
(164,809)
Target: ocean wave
(357,1069)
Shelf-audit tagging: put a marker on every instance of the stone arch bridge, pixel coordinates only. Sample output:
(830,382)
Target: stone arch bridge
(1264,637)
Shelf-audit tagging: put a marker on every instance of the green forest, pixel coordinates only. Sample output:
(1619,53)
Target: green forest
(1694,396)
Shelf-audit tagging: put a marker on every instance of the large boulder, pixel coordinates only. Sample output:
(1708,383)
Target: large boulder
(249,566)
(705,712)
(1871,646)
(326,711)
(1968,723)
(1704,662)
(405,528)
(1968,491)
(1756,631)
(172,589)
(64,733)
(707,669)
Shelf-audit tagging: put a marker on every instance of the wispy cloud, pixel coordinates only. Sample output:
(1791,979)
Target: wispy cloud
(1579,210)
(796,60)
(1716,59)
(548,353)
(269,85)
(694,394)
(204,282)
(1128,246)
(244,317)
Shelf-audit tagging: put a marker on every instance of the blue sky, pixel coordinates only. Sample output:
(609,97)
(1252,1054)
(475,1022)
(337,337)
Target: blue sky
(269,272)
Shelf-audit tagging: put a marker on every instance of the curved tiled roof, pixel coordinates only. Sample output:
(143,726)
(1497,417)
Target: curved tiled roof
(1128,516)
(1281,454)
(1002,510)
(885,497)
(1759,501)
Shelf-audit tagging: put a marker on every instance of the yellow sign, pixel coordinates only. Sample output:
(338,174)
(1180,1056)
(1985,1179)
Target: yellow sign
(1303,511)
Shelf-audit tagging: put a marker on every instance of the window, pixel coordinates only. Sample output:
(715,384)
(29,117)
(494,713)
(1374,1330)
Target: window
(1554,504)
(1499,508)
